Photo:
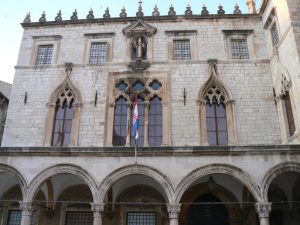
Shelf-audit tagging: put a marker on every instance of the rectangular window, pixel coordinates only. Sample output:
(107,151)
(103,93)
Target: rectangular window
(44,54)
(98,52)
(79,218)
(274,34)
(239,49)
(14,217)
(141,218)
(181,50)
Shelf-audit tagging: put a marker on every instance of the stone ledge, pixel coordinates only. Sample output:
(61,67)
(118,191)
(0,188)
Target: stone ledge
(154,151)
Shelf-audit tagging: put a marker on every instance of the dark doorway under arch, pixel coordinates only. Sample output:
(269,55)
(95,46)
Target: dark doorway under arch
(207,210)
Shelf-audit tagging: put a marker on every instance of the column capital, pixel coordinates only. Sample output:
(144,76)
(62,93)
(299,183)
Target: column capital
(263,209)
(173,210)
(26,208)
(98,209)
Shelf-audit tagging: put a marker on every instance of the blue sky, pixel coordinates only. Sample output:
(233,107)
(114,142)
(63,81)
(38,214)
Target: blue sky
(12,13)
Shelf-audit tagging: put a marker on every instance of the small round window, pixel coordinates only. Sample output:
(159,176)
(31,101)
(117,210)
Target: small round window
(138,86)
(122,86)
(155,85)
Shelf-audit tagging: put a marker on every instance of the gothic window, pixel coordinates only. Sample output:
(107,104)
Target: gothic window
(63,119)
(181,50)
(150,111)
(239,49)
(141,109)
(216,122)
(44,54)
(120,122)
(141,218)
(98,52)
(82,218)
(155,122)
(289,114)
(274,34)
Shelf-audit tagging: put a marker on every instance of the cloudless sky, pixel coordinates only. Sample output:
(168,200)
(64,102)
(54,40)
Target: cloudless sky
(12,13)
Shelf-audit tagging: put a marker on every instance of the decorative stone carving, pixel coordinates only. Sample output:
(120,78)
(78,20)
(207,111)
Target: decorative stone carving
(204,11)
(139,65)
(155,11)
(43,18)
(26,208)
(188,11)
(139,28)
(58,17)
(171,11)
(27,18)
(263,209)
(68,68)
(74,15)
(285,85)
(90,15)
(98,209)
(173,210)
(123,12)
(106,13)
(237,9)
(140,10)
(221,11)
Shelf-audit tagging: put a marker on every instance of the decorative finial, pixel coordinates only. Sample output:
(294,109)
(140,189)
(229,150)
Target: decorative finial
(204,11)
(221,11)
(237,9)
(106,13)
(74,16)
(171,11)
(188,11)
(90,16)
(27,18)
(140,10)
(43,18)
(155,12)
(58,18)
(123,12)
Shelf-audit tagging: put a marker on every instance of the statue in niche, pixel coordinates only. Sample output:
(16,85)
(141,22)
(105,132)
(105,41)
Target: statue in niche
(139,45)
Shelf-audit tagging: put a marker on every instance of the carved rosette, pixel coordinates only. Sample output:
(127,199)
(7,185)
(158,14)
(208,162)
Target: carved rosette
(174,210)
(263,209)
(26,208)
(98,209)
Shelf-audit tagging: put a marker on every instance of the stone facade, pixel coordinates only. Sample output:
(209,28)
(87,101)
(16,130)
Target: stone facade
(179,180)
(4,100)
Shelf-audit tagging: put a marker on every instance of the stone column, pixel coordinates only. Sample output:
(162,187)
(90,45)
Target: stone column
(263,210)
(97,208)
(174,210)
(27,209)
(146,131)
(128,135)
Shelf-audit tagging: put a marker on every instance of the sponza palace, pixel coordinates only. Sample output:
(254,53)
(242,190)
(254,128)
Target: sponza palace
(219,119)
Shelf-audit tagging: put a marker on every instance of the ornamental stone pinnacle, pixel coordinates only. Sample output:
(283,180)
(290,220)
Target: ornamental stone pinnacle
(237,9)
(27,18)
(106,13)
(58,17)
(155,11)
(188,11)
(221,11)
(90,15)
(171,11)
(140,10)
(204,11)
(43,18)
(74,15)
(123,12)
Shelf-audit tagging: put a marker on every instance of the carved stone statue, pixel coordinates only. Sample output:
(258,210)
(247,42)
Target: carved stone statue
(140,48)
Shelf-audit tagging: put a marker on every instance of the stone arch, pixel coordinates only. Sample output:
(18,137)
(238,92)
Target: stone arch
(275,172)
(62,169)
(221,93)
(16,175)
(75,100)
(136,170)
(232,171)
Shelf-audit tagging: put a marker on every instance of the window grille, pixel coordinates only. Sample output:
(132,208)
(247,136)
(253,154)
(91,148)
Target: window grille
(44,55)
(239,49)
(15,216)
(98,52)
(274,34)
(141,218)
(79,218)
(181,50)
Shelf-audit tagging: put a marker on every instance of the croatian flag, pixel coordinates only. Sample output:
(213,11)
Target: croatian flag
(135,119)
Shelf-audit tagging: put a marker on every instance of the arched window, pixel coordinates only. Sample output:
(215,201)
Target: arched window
(155,122)
(289,114)
(120,122)
(141,109)
(216,122)
(62,125)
